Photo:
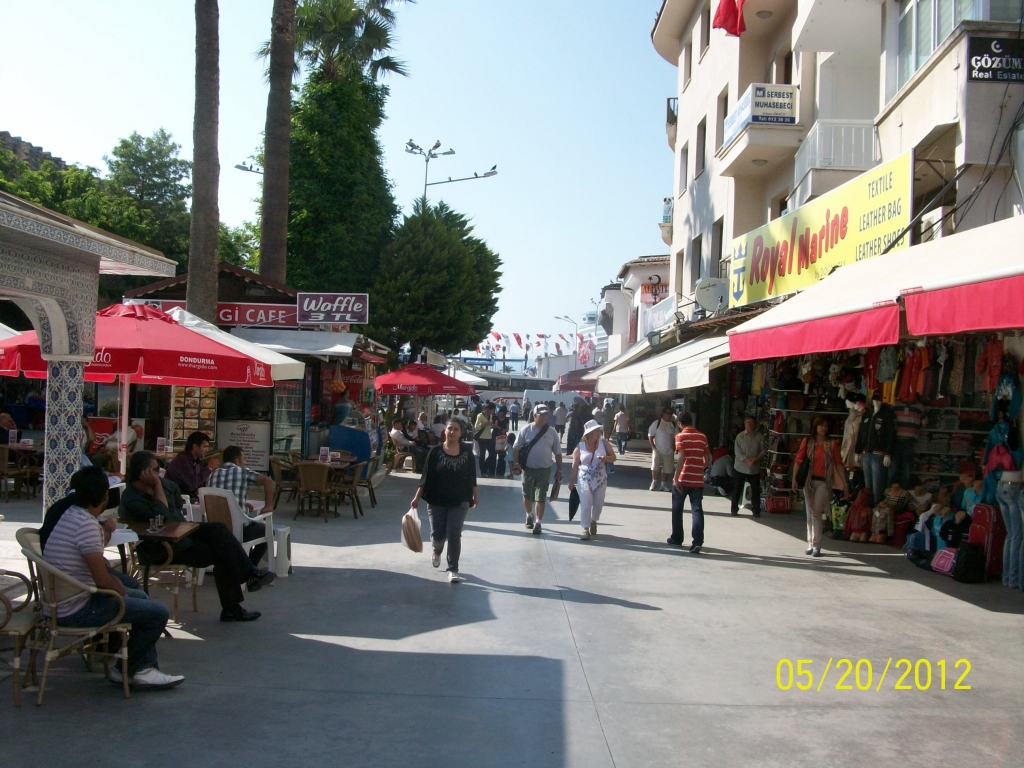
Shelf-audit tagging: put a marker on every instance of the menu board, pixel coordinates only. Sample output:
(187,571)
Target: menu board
(253,437)
(192,409)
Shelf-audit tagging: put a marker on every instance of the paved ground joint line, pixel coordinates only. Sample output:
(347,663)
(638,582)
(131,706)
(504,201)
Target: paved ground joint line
(568,623)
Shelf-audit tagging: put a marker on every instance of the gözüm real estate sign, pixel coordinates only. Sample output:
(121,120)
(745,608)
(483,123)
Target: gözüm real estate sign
(853,222)
(333,308)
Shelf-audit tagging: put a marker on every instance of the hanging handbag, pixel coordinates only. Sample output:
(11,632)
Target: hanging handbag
(574,502)
(524,452)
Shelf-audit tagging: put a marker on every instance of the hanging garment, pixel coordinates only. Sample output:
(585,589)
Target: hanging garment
(1007,390)
(989,365)
(941,357)
(956,368)
(908,378)
(888,362)
(850,430)
(871,368)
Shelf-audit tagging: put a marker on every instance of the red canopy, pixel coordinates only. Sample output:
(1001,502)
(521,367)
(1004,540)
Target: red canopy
(573,381)
(420,379)
(147,345)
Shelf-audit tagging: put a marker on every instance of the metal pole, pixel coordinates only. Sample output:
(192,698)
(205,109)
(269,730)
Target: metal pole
(426,171)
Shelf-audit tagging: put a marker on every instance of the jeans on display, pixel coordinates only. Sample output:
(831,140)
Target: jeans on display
(147,617)
(620,440)
(902,460)
(1008,495)
(446,525)
(754,481)
(875,473)
(696,497)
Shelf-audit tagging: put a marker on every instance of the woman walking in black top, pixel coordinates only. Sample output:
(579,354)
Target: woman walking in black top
(448,485)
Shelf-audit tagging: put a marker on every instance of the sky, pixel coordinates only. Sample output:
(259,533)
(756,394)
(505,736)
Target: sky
(566,97)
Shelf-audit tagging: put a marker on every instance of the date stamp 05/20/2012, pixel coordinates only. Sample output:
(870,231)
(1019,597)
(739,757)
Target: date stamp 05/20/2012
(859,675)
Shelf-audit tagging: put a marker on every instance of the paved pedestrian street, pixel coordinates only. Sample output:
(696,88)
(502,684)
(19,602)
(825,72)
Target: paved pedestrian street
(620,651)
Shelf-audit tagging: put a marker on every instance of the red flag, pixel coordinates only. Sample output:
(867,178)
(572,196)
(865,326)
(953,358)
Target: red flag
(558,347)
(519,340)
(579,336)
(729,17)
(496,335)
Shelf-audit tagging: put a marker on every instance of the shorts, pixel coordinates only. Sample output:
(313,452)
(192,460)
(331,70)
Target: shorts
(662,462)
(535,483)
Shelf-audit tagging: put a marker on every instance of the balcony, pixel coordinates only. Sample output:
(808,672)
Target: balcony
(671,120)
(761,132)
(833,152)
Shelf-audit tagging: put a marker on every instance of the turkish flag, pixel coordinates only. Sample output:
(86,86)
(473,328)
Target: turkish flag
(729,17)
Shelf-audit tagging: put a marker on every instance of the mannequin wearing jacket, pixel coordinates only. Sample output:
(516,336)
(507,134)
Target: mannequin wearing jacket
(876,441)
(856,402)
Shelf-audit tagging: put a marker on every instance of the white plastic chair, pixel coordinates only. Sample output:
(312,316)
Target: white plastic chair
(220,506)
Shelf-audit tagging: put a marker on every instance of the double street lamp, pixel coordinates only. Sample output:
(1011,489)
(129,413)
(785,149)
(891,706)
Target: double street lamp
(432,154)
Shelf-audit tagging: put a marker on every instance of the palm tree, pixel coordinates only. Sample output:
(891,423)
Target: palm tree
(277,138)
(201,294)
(347,38)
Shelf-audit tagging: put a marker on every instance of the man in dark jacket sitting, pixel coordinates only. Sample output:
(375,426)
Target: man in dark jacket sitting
(212,544)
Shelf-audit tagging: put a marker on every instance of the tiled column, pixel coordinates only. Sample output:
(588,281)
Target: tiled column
(63,427)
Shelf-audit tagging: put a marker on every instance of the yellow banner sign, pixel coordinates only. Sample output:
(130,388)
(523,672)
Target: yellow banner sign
(851,223)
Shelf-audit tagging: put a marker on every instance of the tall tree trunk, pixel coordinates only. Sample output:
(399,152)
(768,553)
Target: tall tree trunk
(277,137)
(201,295)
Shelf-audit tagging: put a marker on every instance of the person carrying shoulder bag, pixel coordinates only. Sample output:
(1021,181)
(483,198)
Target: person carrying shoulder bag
(590,460)
(818,468)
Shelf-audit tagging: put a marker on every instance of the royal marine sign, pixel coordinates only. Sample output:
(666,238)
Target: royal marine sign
(856,221)
(995,60)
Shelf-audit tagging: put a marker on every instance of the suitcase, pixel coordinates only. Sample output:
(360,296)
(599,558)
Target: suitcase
(969,566)
(988,530)
(944,561)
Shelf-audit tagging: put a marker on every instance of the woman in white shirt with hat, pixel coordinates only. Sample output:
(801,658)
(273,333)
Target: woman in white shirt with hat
(588,468)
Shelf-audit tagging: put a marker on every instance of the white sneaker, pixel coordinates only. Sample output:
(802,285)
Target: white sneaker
(585,535)
(154,678)
(453,577)
(655,485)
(114,675)
(667,487)
(435,559)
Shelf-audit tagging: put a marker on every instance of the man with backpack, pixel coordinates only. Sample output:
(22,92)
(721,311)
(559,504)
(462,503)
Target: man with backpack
(536,449)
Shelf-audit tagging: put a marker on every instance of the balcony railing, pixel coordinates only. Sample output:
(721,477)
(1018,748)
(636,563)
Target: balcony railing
(671,120)
(848,145)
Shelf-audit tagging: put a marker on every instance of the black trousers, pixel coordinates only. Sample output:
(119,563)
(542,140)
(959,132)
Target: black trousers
(515,420)
(487,455)
(255,531)
(213,544)
(754,481)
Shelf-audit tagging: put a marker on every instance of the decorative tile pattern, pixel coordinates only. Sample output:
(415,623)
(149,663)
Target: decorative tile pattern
(64,432)
(58,294)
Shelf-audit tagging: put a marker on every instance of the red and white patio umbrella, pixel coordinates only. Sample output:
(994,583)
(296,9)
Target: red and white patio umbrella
(420,379)
(143,345)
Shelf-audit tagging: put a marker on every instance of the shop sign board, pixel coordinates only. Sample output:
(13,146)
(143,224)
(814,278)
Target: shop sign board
(652,293)
(853,222)
(995,60)
(761,103)
(660,315)
(352,379)
(242,313)
(253,437)
(320,308)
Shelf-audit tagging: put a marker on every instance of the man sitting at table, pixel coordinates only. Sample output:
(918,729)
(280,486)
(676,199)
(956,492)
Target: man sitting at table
(75,546)
(403,444)
(234,476)
(187,469)
(211,543)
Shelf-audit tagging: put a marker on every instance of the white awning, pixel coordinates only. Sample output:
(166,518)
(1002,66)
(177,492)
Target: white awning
(619,361)
(682,367)
(282,368)
(469,378)
(6,333)
(315,343)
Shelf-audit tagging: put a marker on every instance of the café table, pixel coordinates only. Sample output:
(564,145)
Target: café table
(168,533)
(26,457)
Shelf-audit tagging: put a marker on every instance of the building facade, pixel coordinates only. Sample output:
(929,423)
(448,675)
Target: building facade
(817,92)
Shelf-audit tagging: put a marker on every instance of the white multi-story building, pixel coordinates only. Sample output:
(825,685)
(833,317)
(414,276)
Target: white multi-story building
(855,83)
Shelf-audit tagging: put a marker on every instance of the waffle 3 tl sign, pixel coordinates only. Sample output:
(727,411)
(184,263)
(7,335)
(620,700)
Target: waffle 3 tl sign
(856,221)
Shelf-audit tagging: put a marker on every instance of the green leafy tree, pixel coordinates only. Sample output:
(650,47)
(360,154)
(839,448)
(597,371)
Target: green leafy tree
(342,209)
(239,245)
(484,303)
(427,290)
(147,169)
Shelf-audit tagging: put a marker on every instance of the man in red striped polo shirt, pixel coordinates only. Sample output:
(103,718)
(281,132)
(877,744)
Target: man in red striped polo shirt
(692,456)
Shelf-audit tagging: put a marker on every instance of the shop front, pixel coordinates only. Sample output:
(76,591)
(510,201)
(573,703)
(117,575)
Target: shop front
(295,415)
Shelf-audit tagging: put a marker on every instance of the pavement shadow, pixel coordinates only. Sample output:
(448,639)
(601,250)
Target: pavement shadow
(567,594)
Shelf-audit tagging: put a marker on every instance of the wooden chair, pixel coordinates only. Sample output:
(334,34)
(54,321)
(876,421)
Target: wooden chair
(29,462)
(314,487)
(19,622)
(280,484)
(400,456)
(179,574)
(365,479)
(346,483)
(221,506)
(11,471)
(55,588)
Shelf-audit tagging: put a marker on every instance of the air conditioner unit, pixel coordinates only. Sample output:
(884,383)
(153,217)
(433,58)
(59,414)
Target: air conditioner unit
(937,223)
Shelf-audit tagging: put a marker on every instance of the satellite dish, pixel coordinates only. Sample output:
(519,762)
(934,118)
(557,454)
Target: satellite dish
(712,293)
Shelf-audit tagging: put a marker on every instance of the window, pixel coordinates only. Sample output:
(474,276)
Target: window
(717,233)
(723,110)
(925,34)
(924,24)
(684,168)
(687,61)
(705,28)
(701,157)
(695,262)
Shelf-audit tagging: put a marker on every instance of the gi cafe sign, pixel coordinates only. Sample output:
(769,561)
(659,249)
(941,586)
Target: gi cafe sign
(995,60)
(761,103)
(309,309)
(853,222)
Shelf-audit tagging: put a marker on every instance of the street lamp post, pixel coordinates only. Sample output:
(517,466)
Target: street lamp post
(250,168)
(432,154)
(575,335)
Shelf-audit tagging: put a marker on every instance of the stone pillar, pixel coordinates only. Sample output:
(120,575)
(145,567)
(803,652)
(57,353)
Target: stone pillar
(64,431)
